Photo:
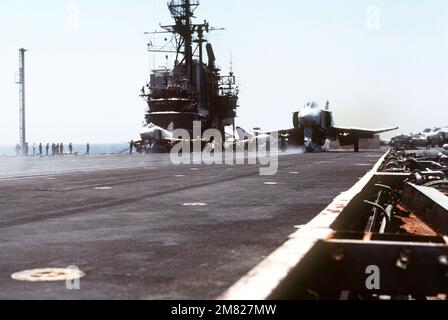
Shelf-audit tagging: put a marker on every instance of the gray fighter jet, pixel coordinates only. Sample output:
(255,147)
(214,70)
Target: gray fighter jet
(314,128)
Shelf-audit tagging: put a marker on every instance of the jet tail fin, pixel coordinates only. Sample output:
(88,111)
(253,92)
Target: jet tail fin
(243,134)
(170,128)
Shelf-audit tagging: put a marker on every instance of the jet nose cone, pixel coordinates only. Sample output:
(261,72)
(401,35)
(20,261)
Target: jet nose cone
(308,119)
(146,134)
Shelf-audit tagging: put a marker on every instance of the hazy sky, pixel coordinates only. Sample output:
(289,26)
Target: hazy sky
(380,63)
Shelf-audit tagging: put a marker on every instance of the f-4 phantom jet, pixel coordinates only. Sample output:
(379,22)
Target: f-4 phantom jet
(314,128)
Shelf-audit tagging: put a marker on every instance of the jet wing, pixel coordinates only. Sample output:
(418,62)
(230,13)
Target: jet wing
(280,132)
(361,132)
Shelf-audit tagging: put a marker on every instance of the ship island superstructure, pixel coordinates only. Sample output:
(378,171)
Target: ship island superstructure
(194,89)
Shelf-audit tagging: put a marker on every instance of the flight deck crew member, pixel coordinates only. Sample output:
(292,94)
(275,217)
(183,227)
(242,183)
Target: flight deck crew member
(131,147)
(61,148)
(47,149)
(40,150)
(34,149)
(283,144)
(70,148)
(88,149)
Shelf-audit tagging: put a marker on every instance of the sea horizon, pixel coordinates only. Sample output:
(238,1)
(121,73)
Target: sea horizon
(78,148)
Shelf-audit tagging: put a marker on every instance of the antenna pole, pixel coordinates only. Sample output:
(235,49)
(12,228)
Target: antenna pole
(22,101)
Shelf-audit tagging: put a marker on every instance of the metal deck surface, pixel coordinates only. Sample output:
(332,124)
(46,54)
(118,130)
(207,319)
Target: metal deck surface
(141,228)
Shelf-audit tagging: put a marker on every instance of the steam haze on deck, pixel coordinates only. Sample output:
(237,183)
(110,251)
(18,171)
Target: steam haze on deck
(83,80)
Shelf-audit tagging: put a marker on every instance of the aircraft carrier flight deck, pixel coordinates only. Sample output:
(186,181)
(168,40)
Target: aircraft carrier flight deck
(142,228)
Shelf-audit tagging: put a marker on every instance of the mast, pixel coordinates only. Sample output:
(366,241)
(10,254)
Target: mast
(21,84)
(183,11)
